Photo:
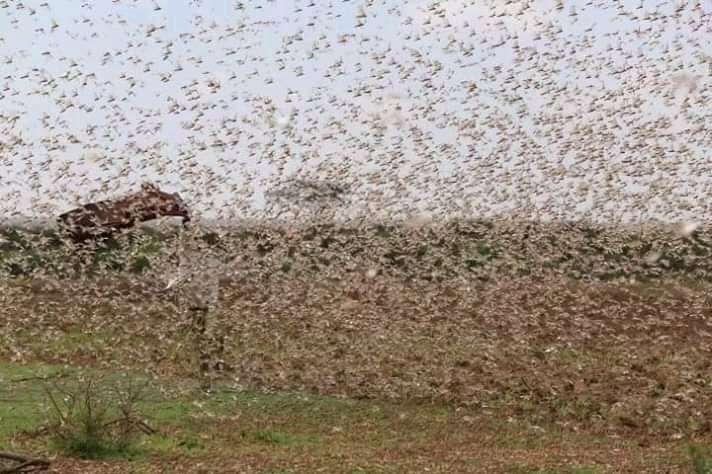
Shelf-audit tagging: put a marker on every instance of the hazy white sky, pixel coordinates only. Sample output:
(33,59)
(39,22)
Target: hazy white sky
(596,109)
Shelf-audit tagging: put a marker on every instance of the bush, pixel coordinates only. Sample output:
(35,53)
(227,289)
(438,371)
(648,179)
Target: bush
(94,418)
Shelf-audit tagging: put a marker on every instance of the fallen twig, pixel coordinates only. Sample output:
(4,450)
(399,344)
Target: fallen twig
(55,376)
(26,463)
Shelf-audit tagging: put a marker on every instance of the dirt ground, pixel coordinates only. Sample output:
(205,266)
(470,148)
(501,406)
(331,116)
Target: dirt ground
(625,365)
(581,350)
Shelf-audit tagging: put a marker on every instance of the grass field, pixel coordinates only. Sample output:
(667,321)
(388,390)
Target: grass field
(333,368)
(247,431)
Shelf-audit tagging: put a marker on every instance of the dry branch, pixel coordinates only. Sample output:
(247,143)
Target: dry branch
(26,463)
(138,424)
(44,378)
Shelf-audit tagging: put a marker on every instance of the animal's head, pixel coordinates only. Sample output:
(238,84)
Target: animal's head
(163,203)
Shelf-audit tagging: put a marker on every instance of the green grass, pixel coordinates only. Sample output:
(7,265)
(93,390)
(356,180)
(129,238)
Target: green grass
(191,424)
(21,397)
(271,437)
(93,448)
(284,430)
(700,458)
(72,341)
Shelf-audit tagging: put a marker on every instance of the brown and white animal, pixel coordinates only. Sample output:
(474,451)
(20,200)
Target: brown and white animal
(102,219)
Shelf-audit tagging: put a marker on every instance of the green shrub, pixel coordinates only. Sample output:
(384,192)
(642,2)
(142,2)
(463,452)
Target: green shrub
(94,418)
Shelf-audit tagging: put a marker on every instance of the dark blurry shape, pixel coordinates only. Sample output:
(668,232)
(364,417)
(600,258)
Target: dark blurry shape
(310,191)
(102,219)
(307,199)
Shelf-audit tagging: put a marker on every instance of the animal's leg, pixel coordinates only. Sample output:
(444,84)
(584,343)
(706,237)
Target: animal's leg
(200,328)
(79,256)
(131,239)
(215,342)
(66,252)
(87,253)
(218,342)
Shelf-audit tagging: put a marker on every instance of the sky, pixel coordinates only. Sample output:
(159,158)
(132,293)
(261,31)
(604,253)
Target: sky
(549,109)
